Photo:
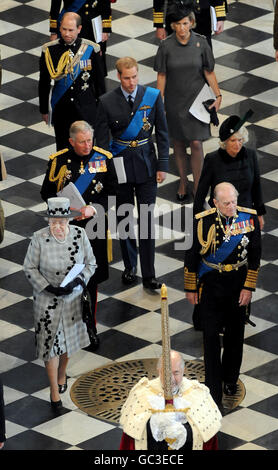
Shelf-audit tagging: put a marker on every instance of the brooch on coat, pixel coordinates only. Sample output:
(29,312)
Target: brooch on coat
(146,124)
(97,188)
(244,242)
(85,65)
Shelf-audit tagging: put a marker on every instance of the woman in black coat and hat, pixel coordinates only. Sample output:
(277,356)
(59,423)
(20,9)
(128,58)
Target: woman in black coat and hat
(234,163)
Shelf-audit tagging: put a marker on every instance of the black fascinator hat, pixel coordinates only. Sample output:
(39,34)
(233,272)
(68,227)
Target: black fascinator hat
(232,124)
(180,9)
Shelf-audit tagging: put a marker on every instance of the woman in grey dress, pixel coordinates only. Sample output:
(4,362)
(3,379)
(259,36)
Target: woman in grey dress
(59,329)
(184,62)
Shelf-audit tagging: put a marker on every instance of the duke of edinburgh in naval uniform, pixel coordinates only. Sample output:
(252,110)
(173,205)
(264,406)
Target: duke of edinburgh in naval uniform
(222,263)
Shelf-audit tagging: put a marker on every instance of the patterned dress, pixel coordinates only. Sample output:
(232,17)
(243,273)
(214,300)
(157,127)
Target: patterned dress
(58,321)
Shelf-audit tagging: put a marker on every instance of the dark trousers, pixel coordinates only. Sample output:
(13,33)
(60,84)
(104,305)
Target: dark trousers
(145,194)
(217,312)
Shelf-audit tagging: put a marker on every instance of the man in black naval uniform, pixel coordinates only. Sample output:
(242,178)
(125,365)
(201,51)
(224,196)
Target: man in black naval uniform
(87,10)
(220,273)
(131,112)
(202,15)
(91,170)
(75,66)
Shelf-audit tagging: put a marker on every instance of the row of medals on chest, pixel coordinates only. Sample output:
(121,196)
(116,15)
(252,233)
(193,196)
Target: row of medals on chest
(101,168)
(235,229)
(84,65)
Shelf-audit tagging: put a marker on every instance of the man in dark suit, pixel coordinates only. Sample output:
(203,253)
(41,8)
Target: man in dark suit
(130,113)
(75,66)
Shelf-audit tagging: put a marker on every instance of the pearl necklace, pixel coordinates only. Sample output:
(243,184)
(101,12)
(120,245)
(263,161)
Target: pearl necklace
(61,242)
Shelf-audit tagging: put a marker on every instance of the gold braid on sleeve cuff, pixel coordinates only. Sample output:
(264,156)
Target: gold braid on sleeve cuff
(251,279)
(220,11)
(53,23)
(158,18)
(190,281)
(107,23)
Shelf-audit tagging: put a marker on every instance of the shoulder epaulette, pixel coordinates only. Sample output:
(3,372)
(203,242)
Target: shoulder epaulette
(200,35)
(204,213)
(247,209)
(56,154)
(50,43)
(105,152)
(91,43)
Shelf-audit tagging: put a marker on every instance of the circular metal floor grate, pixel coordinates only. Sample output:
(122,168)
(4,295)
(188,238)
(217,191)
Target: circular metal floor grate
(102,392)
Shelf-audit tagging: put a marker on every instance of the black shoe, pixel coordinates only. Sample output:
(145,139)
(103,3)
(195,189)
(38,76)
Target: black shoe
(151,283)
(63,388)
(94,339)
(55,405)
(181,197)
(230,389)
(129,276)
(222,410)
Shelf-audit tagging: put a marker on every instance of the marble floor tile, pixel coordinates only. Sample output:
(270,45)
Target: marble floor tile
(254,357)
(128,319)
(63,428)
(8,362)
(264,23)
(256,390)
(152,333)
(252,426)
(132,26)
(13,429)
(134,48)
(131,7)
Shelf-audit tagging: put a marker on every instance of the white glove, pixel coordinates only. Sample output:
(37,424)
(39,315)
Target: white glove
(169,424)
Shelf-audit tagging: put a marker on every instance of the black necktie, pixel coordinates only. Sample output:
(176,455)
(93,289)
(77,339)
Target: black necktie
(130,101)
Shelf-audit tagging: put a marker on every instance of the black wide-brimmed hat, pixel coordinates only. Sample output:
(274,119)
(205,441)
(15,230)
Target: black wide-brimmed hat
(180,9)
(59,208)
(232,124)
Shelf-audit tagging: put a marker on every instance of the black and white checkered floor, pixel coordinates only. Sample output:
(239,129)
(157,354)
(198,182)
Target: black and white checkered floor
(129,318)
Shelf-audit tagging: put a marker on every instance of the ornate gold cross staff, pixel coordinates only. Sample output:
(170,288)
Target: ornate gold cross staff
(166,347)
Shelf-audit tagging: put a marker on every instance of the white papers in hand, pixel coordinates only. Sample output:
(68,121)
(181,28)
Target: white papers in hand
(77,268)
(71,192)
(97,28)
(197,108)
(120,169)
(213,19)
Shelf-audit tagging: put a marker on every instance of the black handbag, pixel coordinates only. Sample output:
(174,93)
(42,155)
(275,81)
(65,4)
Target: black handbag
(86,305)
(88,317)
